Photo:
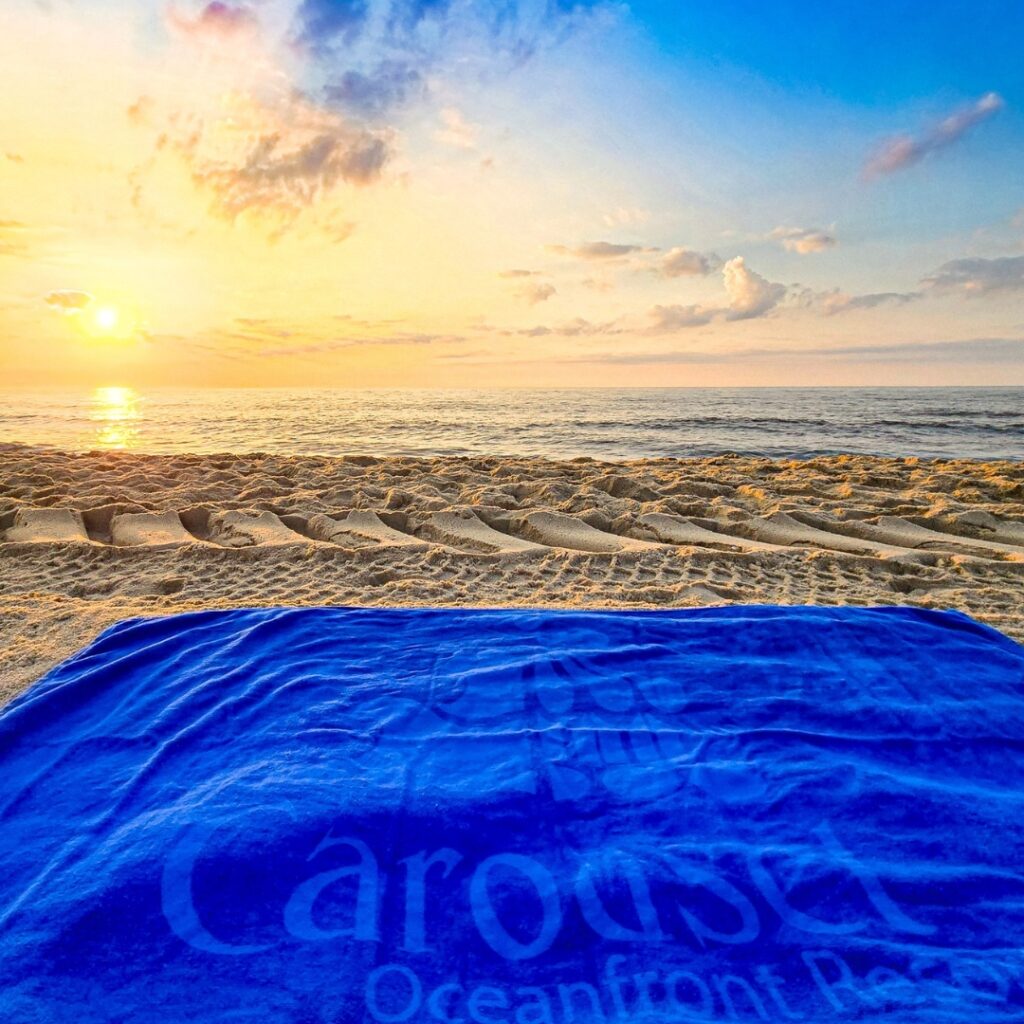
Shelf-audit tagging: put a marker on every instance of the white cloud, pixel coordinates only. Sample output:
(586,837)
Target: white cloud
(750,294)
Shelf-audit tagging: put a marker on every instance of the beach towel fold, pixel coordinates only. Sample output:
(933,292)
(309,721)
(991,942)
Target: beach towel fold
(518,816)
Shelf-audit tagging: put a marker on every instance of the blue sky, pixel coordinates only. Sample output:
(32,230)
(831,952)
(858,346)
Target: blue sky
(530,191)
(875,55)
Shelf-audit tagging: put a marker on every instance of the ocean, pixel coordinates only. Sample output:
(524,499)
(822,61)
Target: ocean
(626,423)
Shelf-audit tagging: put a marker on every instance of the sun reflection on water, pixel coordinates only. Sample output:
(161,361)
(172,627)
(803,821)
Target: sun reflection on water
(117,414)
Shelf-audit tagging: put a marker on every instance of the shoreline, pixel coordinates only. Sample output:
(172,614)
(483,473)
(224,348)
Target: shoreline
(88,539)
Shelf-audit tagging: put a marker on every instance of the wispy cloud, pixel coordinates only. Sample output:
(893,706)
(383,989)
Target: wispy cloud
(269,156)
(987,350)
(680,262)
(979,276)
(832,303)
(68,301)
(578,327)
(379,55)
(455,130)
(13,238)
(625,215)
(273,174)
(804,240)
(372,93)
(666,319)
(215,23)
(906,150)
(535,292)
(597,250)
(339,344)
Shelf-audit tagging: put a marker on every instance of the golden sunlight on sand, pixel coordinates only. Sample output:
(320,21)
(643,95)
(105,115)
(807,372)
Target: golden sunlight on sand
(90,539)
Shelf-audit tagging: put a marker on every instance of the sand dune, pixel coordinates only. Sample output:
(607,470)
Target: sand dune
(89,539)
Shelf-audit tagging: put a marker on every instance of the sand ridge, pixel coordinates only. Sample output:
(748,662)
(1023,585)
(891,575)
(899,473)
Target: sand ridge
(88,539)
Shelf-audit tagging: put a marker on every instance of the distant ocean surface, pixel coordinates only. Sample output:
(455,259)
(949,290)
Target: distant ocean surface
(986,423)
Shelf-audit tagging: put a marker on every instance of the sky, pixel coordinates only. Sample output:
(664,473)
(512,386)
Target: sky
(441,193)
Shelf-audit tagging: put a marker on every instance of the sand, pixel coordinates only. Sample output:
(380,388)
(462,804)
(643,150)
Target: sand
(89,539)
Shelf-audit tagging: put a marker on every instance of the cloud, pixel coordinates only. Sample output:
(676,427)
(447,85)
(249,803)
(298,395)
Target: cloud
(372,94)
(535,293)
(321,22)
(273,156)
(832,303)
(597,250)
(625,216)
(512,28)
(511,274)
(988,350)
(217,22)
(973,277)
(575,328)
(455,130)
(750,294)
(677,358)
(13,238)
(338,344)
(67,301)
(906,150)
(673,318)
(979,276)
(680,262)
(979,350)
(426,41)
(253,139)
(804,240)
(276,175)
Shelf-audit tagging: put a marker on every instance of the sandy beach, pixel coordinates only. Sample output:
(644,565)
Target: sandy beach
(89,539)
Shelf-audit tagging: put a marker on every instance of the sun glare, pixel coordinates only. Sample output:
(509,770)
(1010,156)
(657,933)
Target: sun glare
(116,413)
(104,321)
(106,318)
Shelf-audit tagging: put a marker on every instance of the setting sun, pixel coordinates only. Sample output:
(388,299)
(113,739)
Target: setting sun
(105,321)
(106,318)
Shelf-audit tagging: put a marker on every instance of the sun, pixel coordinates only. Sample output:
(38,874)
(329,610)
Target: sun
(106,319)
(107,322)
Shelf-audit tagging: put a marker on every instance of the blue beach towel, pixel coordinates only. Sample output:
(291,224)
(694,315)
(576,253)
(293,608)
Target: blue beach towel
(526,817)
